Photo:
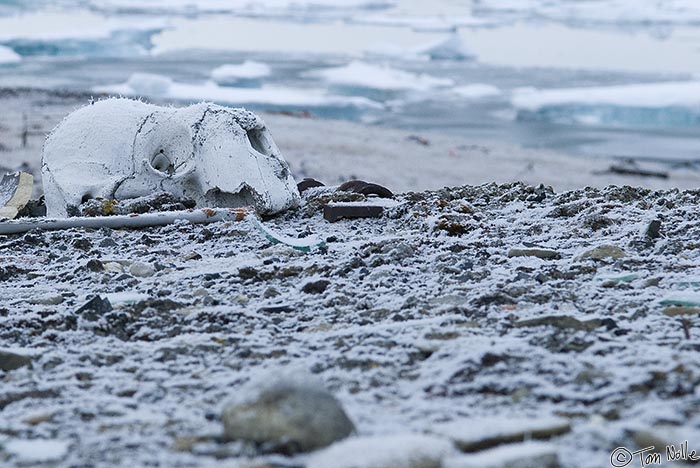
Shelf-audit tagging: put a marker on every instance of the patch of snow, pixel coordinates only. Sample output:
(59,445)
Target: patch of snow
(405,450)
(37,450)
(382,77)
(509,455)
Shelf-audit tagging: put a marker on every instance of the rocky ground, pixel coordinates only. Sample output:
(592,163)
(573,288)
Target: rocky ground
(449,332)
(456,311)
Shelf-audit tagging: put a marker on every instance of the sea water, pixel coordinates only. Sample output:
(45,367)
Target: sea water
(608,78)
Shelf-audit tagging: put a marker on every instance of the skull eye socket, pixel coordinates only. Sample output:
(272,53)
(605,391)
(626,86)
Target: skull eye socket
(161,163)
(258,140)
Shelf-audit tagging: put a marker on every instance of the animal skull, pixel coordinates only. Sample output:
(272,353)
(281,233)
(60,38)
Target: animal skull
(122,149)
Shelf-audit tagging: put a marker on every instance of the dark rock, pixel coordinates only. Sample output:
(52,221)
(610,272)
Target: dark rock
(334,212)
(364,188)
(563,321)
(95,265)
(11,361)
(654,229)
(544,254)
(95,308)
(308,183)
(316,287)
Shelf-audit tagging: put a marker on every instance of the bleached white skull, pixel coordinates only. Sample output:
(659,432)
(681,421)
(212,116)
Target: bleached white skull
(122,149)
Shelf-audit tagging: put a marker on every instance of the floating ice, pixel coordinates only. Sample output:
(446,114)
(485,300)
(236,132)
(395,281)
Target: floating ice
(8,55)
(451,48)
(477,91)
(246,71)
(649,104)
(382,77)
(123,149)
(147,86)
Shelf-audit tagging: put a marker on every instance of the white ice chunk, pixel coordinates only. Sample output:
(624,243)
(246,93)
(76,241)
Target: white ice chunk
(648,95)
(248,70)
(147,84)
(8,55)
(210,91)
(382,77)
(477,91)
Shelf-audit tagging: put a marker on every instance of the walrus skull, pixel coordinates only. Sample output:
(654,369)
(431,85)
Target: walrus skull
(121,149)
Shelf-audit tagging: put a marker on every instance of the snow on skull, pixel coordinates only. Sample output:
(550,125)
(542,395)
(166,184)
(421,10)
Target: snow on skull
(121,149)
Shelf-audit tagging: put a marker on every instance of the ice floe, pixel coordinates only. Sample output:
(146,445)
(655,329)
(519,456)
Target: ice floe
(248,71)
(148,85)
(652,104)
(382,77)
(8,55)
(477,91)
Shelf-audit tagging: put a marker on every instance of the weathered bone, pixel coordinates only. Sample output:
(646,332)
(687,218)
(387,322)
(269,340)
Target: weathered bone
(121,149)
(15,192)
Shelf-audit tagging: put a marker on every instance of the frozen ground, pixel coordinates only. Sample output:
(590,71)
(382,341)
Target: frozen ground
(459,306)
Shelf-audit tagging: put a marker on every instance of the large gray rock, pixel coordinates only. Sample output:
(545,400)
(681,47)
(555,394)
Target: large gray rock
(288,418)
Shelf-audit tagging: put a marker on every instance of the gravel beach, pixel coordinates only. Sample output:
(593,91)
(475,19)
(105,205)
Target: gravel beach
(496,323)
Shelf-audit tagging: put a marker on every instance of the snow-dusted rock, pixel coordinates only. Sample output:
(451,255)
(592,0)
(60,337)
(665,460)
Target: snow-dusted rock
(123,149)
(404,450)
(289,417)
(475,434)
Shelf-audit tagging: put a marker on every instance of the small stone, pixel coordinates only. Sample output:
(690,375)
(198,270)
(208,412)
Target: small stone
(288,418)
(11,361)
(316,287)
(674,311)
(544,254)
(52,299)
(141,270)
(107,242)
(336,212)
(95,265)
(563,321)
(603,252)
(475,434)
(654,229)
(201,292)
(95,308)
(270,293)
(113,266)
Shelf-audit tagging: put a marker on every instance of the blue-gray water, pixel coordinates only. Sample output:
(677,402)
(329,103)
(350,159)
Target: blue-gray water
(84,44)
